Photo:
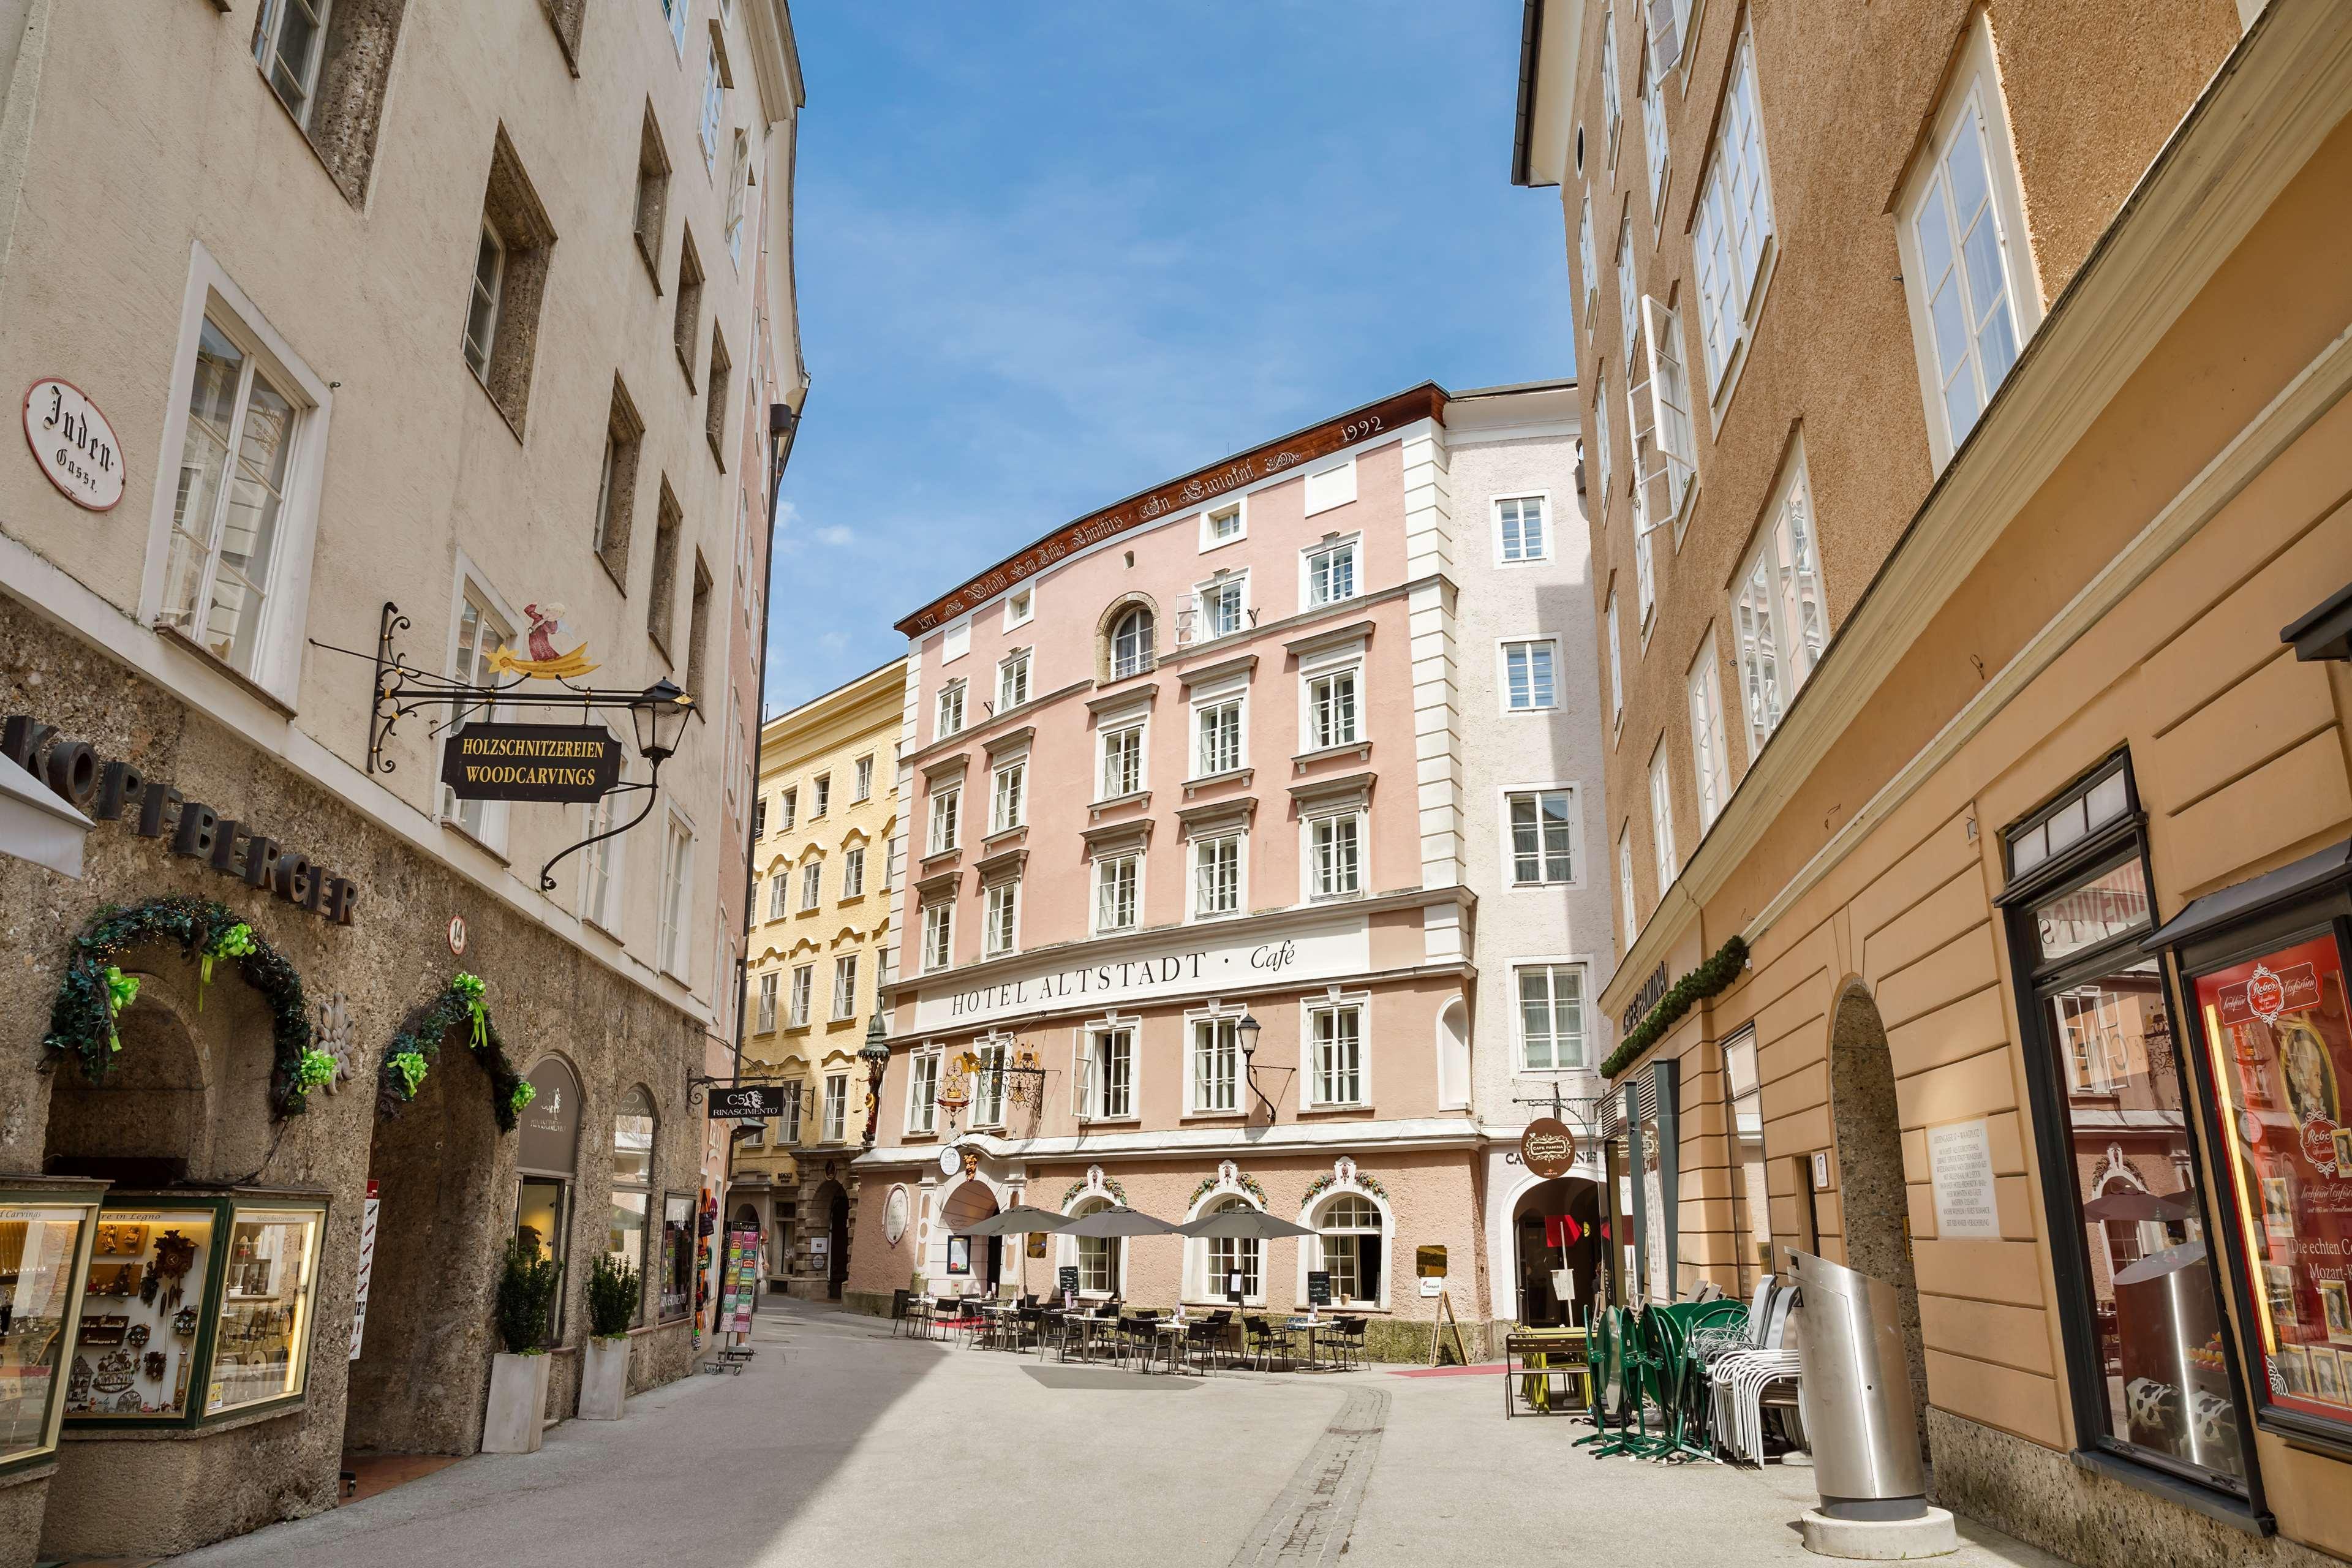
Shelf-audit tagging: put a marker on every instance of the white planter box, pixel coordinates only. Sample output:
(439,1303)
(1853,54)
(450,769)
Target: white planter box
(518,1403)
(605,1380)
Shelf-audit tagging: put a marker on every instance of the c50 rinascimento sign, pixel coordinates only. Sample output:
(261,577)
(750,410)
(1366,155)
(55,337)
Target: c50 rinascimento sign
(563,765)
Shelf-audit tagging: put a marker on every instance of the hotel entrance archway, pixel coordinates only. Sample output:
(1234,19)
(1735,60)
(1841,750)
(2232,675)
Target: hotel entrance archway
(1555,1227)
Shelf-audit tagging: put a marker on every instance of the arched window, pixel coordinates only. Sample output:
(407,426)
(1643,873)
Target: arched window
(1230,1255)
(1349,1239)
(1130,643)
(632,1182)
(1097,1256)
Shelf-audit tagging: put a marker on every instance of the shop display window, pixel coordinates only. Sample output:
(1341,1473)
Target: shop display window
(44,1251)
(195,1308)
(2278,1034)
(678,1256)
(2137,1292)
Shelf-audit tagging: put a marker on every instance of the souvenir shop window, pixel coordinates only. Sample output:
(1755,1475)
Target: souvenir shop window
(196,1308)
(2277,1037)
(677,1256)
(2147,1357)
(45,1237)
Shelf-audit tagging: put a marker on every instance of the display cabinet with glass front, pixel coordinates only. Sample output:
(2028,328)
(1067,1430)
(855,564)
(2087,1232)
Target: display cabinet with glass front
(46,1232)
(197,1307)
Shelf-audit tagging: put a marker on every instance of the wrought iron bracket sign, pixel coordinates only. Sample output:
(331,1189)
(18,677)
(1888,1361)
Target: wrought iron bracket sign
(552,764)
(752,1102)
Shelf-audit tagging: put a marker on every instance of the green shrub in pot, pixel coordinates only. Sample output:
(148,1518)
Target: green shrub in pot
(612,1295)
(526,1296)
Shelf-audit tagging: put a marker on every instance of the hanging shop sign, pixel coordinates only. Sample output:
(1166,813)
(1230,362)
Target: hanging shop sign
(112,791)
(73,443)
(552,764)
(1548,1148)
(747,1102)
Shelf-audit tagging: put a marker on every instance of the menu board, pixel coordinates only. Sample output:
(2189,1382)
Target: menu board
(2281,1039)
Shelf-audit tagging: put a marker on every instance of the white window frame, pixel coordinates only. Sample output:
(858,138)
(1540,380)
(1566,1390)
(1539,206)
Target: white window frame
(1310,1009)
(1008,795)
(944,834)
(821,789)
(1012,686)
(1629,296)
(1616,667)
(853,871)
(1238,1081)
(1503,558)
(936,949)
(1778,607)
(956,641)
(1551,967)
(1205,1274)
(1972,102)
(1311,1254)
(1324,486)
(811,885)
(1504,649)
(798,999)
(1625,882)
(1310,725)
(925,1065)
(865,777)
(1224,586)
(948,712)
(270,33)
(1597,450)
(1109,1250)
(1612,109)
(1310,868)
(1100,870)
(714,105)
(1120,731)
(1238,510)
(1239,839)
(1000,934)
(1659,165)
(484,297)
(602,863)
(1592,266)
(674,928)
(988,1083)
(1665,446)
(676,11)
(779,895)
(1505,797)
(487,827)
(766,1011)
(1710,765)
(844,997)
(795,1093)
(1730,300)
(1020,606)
(790,801)
(1227,698)
(1330,547)
(835,1128)
(277,663)
(1662,819)
(1094,1079)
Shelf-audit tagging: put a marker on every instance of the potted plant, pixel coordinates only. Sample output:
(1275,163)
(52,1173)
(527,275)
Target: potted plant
(612,1296)
(517,1406)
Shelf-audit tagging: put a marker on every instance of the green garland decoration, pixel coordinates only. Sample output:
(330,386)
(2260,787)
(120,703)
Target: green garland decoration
(1111,1186)
(410,1055)
(1330,1179)
(1243,1180)
(82,1018)
(1692,989)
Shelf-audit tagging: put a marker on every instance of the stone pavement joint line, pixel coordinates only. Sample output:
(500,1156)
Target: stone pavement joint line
(1311,1519)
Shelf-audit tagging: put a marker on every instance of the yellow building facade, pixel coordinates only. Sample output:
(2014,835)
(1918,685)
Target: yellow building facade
(818,933)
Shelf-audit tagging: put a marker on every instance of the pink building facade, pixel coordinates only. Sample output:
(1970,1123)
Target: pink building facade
(1182,895)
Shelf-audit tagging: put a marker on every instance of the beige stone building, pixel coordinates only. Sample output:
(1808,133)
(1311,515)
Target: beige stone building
(1963,388)
(819,941)
(381,330)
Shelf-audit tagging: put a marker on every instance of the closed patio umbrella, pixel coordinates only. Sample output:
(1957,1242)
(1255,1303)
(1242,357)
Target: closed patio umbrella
(1242,1225)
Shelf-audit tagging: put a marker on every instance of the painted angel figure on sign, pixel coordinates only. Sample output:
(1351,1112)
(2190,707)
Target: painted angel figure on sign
(557,651)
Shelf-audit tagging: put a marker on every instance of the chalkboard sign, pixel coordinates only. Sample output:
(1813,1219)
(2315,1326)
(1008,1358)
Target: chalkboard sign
(1067,1278)
(1318,1286)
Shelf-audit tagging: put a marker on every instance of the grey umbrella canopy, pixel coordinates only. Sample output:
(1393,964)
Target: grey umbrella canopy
(1117,1222)
(2135,1204)
(1242,1225)
(1021,1219)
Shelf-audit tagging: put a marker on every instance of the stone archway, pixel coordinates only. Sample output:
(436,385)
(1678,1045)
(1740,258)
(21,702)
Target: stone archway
(419,1384)
(1872,1200)
(1535,1299)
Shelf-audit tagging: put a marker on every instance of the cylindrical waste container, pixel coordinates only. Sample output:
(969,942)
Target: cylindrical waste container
(1856,1392)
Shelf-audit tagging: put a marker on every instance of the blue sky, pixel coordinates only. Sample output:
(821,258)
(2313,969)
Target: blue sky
(1051,254)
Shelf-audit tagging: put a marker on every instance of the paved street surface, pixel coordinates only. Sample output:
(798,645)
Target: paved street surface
(844,1444)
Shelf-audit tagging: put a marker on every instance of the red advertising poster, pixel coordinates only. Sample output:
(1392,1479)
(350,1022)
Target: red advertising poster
(2282,1042)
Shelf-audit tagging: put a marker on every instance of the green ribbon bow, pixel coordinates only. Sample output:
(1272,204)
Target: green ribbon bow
(121,990)
(470,989)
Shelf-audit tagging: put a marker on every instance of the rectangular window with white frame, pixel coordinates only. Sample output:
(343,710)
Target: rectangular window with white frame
(988,1083)
(1625,882)
(602,862)
(864,776)
(1597,450)
(1522,533)
(1335,854)
(1212,1083)
(481,632)
(1217,729)
(1628,297)
(1658,405)
(845,986)
(228,560)
(1122,762)
(999,911)
(1225,524)
(1012,679)
(1590,266)
(1778,611)
(1336,1066)
(812,882)
(1653,130)
(837,1107)
(1216,876)
(1330,575)
(939,935)
(853,871)
(949,720)
(1551,1016)
(1709,761)
(923,1092)
(820,796)
(1107,1074)
(795,1096)
(1612,105)
(779,895)
(1221,606)
(1733,237)
(791,811)
(767,1008)
(1008,797)
(674,930)
(1331,709)
(1530,675)
(1334,485)
(1539,827)
(796,1011)
(1020,606)
(947,819)
(1118,892)
(1968,272)
(1616,665)
(1662,820)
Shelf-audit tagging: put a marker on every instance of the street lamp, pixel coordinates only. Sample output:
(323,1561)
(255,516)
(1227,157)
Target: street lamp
(1246,1031)
(876,1055)
(658,715)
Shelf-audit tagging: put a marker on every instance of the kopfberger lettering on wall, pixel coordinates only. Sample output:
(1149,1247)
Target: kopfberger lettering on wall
(554,764)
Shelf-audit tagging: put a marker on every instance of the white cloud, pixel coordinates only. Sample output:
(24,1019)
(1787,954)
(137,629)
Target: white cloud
(833,534)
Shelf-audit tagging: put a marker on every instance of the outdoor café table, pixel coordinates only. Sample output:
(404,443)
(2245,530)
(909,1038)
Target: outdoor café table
(1085,1325)
(1000,1317)
(1307,1327)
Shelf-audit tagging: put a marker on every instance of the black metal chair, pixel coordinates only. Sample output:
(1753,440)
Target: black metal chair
(1262,1340)
(1348,1336)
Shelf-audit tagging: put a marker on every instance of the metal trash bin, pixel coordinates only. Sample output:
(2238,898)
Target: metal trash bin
(1855,1394)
